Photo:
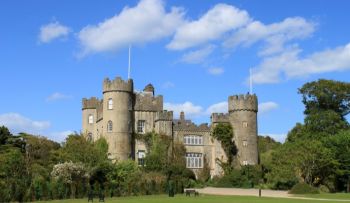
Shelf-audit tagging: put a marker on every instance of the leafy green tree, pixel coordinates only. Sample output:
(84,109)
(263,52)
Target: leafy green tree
(340,145)
(326,95)
(13,175)
(4,135)
(310,162)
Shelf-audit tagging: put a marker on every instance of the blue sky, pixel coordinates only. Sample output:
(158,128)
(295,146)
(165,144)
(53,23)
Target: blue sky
(195,53)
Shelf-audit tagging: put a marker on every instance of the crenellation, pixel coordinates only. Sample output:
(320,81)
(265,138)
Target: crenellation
(147,102)
(118,84)
(247,102)
(90,103)
(220,118)
(164,116)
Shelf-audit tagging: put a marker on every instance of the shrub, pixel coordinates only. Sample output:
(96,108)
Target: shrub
(303,188)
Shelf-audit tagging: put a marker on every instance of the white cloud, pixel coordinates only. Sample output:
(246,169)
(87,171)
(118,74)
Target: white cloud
(221,107)
(278,137)
(274,35)
(216,71)
(52,31)
(267,107)
(211,26)
(18,123)
(57,96)
(59,136)
(197,56)
(168,85)
(291,65)
(147,21)
(189,108)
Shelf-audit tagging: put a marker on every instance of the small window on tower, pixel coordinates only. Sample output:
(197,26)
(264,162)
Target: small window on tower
(89,137)
(245,163)
(109,126)
(91,119)
(141,126)
(110,103)
(245,124)
(245,143)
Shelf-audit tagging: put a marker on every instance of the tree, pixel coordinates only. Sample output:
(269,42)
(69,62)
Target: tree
(326,95)
(4,135)
(340,145)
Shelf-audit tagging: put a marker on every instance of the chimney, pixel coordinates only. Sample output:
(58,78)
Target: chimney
(182,116)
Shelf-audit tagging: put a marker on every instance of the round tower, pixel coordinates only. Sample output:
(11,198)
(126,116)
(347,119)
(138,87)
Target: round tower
(243,118)
(117,117)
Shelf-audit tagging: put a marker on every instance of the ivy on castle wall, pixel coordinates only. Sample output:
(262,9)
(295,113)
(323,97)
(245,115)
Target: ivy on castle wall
(223,132)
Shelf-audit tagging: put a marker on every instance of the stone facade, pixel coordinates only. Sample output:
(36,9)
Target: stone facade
(123,112)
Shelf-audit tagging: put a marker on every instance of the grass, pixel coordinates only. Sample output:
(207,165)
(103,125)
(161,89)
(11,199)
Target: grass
(200,199)
(344,196)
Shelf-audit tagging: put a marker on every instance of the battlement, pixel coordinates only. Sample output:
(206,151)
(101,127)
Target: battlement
(91,103)
(147,102)
(164,116)
(219,118)
(118,84)
(247,102)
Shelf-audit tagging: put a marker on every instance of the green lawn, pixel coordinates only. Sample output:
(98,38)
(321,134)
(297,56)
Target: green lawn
(330,196)
(201,199)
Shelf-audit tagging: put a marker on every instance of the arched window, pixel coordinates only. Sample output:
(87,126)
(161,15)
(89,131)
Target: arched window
(109,126)
(110,103)
(91,119)
(89,137)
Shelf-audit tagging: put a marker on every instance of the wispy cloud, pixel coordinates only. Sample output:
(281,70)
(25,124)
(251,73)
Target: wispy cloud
(274,35)
(57,96)
(52,31)
(168,85)
(216,71)
(211,26)
(267,107)
(147,21)
(18,123)
(291,65)
(59,136)
(197,56)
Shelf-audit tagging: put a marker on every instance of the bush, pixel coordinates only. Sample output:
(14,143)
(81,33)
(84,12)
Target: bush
(303,188)
(323,189)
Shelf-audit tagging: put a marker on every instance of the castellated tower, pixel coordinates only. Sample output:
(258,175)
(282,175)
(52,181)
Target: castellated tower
(243,118)
(164,122)
(89,110)
(117,117)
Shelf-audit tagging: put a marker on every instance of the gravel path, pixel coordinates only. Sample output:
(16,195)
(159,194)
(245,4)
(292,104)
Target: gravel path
(255,192)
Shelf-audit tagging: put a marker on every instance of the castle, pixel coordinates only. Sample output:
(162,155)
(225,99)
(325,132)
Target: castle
(123,112)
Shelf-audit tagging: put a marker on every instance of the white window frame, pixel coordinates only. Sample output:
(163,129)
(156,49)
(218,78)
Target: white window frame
(245,143)
(141,154)
(91,119)
(245,163)
(193,140)
(110,104)
(109,126)
(141,125)
(245,124)
(194,160)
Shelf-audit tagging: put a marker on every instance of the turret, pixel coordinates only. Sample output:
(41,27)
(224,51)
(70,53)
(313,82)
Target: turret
(243,118)
(117,117)
(164,122)
(89,117)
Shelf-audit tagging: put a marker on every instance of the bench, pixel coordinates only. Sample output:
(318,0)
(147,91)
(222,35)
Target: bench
(191,191)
